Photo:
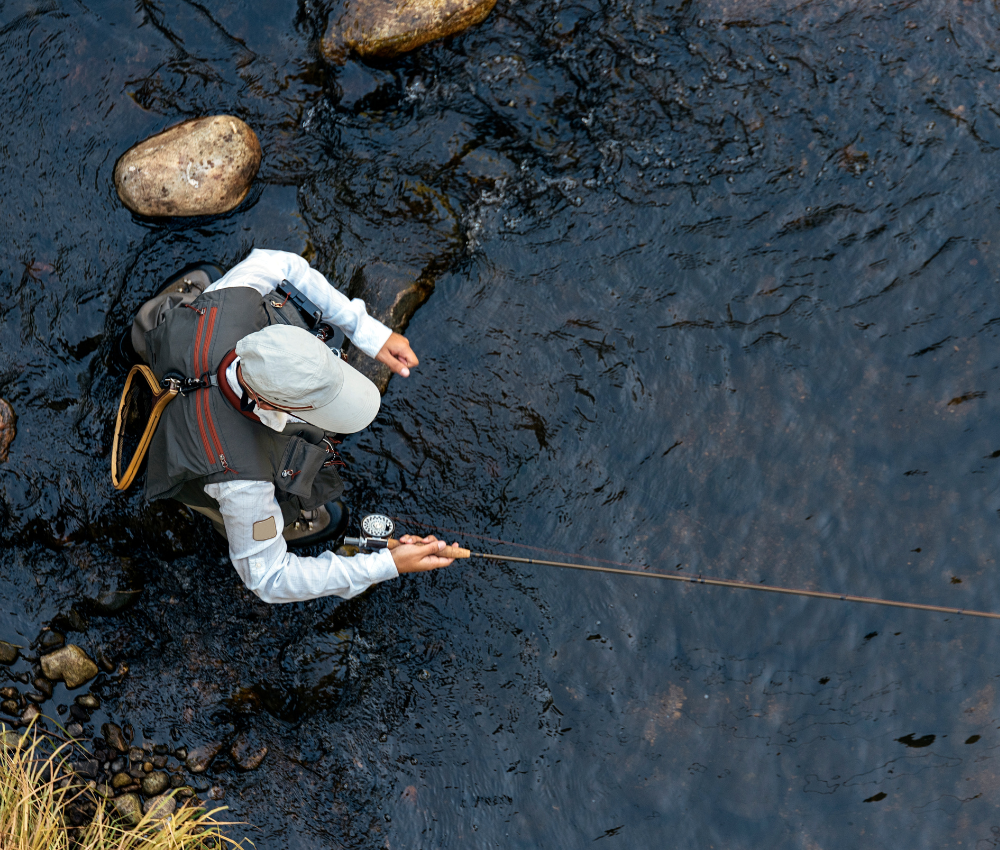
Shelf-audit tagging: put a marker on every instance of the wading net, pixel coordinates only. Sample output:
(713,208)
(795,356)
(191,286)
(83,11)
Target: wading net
(139,412)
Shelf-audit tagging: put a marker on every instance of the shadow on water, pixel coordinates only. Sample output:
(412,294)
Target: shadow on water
(716,291)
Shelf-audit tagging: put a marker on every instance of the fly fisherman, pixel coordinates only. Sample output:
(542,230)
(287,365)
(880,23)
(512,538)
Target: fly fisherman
(250,445)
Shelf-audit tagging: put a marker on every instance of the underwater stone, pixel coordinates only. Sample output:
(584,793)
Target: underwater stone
(247,752)
(129,808)
(203,166)
(50,640)
(70,664)
(30,713)
(392,296)
(88,701)
(112,733)
(8,430)
(8,652)
(384,28)
(199,758)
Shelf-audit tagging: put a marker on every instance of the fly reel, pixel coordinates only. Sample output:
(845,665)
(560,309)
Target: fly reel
(376,530)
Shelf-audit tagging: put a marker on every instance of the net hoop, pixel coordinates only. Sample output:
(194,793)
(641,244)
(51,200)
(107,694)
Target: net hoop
(161,398)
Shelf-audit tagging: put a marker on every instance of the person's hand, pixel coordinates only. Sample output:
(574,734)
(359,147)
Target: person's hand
(397,355)
(417,554)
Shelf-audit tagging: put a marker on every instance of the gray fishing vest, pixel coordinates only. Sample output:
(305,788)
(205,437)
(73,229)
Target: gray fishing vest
(202,438)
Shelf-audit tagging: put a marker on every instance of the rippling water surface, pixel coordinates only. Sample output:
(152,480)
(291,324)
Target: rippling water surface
(716,292)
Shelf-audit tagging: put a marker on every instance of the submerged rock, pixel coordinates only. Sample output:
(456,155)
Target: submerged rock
(129,808)
(159,807)
(155,783)
(113,735)
(70,664)
(8,652)
(8,430)
(199,758)
(386,28)
(392,296)
(202,166)
(247,751)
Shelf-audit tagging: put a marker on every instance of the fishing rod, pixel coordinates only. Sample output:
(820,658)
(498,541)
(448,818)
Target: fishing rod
(376,534)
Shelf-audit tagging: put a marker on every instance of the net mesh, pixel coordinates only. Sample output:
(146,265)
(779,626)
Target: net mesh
(136,410)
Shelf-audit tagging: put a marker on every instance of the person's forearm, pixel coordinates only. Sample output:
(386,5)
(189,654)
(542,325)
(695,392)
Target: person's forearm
(268,568)
(264,269)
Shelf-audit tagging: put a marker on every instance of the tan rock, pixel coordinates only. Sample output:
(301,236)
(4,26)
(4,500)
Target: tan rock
(8,427)
(160,807)
(70,664)
(202,166)
(386,28)
(129,808)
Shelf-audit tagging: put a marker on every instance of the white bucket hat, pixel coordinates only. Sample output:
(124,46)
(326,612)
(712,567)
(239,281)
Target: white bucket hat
(291,369)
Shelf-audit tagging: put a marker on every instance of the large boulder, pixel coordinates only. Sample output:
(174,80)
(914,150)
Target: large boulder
(202,166)
(386,28)
(70,665)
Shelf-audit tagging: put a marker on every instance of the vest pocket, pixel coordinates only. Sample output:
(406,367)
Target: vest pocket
(300,462)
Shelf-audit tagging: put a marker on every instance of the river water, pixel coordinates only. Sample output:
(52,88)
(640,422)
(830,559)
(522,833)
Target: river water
(716,293)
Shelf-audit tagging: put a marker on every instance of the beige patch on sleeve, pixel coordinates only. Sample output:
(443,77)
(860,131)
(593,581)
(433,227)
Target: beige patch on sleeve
(265,529)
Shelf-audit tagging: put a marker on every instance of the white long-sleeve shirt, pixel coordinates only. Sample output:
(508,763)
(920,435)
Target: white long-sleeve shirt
(266,566)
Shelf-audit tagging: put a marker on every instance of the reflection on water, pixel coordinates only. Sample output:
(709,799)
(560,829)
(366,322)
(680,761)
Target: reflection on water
(716,292)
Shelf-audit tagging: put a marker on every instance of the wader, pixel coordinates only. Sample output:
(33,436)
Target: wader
(203,437)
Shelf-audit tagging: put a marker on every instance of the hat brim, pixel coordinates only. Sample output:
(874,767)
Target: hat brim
(341,416)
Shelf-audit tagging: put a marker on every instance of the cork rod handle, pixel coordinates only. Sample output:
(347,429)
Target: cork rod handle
(447,552)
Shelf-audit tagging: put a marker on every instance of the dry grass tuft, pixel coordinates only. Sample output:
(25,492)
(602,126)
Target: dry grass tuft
(36,800)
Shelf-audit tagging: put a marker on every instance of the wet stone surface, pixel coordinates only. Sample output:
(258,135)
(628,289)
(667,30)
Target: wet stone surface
(198,167)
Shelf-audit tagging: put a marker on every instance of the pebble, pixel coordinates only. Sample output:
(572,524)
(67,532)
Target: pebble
(136,771)
(112,733)
(117,766)
(74,730)
(35,698)
(78,712)
(88,701)
(8,430)
(202,166)
(43,686)
(11,707)
(199,758)
(86,767)
(129,808)
(106,664)
(8,693)
(147,766)
(181,753)
(159,762)
(121,780)
(10,739)
(8,652)
(30,713)
(176,781)
(247,751)
(155,783)
(386,28)
(159,807)
(110,602)
(50,640)
(70,664)
(185,791)
(105,790)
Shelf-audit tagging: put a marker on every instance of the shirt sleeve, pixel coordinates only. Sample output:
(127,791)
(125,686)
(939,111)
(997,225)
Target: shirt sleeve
(269,569)
(263,270)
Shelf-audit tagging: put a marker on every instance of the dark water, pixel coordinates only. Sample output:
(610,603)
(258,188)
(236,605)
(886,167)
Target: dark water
(717,291)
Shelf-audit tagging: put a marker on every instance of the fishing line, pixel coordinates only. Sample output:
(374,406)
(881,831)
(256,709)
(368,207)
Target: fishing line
(376,531)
